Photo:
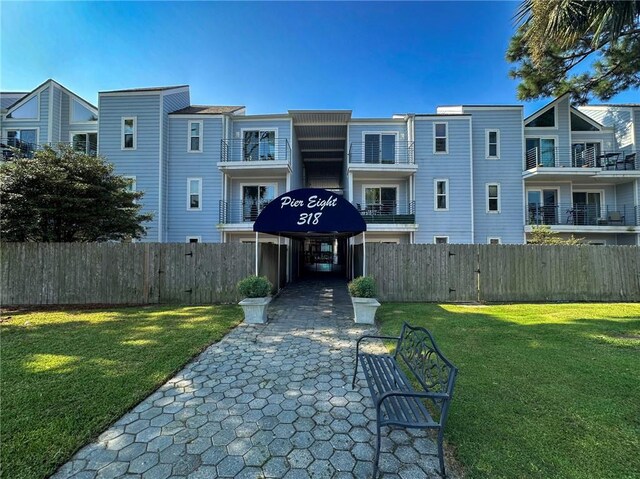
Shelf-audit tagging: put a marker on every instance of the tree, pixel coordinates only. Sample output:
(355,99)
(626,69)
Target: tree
(542,234)
(63,195)
(556,39)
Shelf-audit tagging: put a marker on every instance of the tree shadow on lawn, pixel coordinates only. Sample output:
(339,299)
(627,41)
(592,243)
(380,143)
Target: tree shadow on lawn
(538,398)
(65,381)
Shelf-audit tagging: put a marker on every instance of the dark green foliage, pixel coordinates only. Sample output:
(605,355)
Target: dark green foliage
(61,195)
(558,37)
(362,287)
(255,287)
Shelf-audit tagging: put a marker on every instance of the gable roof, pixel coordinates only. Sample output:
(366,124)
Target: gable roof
(41,87)
(148,89)
(8,98)
(207,110)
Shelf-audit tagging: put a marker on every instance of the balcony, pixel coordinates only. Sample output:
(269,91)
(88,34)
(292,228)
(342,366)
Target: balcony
(397,158)
(10,147)
(240,158)
(556,157)
(583,215)
(385,213)
(388,212)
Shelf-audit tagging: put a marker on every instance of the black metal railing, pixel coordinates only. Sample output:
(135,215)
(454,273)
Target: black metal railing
(399,153)
(555,157)
(241,211)
(583,215)
(278,149)
(11,147)
(388,212)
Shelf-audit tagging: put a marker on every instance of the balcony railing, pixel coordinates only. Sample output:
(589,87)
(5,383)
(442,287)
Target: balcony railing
(583,215)
(260,151)
(10,147)
(239,211)
(388,212)
(401,153)
(555,157)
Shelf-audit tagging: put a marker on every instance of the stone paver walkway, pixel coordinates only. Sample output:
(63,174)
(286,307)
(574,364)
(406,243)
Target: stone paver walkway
(267,401)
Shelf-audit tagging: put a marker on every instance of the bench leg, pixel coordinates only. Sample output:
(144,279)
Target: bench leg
(441,452)
(355,371)
(377,456)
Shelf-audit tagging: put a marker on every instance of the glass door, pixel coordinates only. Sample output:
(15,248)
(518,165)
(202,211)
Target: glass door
(254,199)
(586,207)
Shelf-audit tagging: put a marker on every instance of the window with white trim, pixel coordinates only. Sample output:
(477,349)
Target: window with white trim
(194,194)
(132,186)
(379,148)
(26,111)
(80,113)
(440,239)
(494,240)
(85,142)
(493,197)
(492,144)
(129,127)
(194,239)
(259,145)
(22,138)
(195,136)
(441,195)
(440,139)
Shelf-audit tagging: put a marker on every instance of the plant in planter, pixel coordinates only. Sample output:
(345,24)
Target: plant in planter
(362,291)
(256,291)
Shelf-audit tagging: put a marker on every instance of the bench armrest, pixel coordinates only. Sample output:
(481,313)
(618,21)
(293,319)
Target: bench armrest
(369,336)
(414,394)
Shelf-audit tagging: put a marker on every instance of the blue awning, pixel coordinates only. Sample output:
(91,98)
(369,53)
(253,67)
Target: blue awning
(310,212)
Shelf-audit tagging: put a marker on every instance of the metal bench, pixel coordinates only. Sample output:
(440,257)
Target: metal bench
(396,400)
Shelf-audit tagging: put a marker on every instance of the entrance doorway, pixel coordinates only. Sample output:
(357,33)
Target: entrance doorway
(323,255)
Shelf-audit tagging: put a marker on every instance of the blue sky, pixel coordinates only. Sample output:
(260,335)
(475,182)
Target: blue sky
(374,58)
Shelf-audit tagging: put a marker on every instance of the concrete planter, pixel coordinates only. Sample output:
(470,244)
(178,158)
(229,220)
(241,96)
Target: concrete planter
(364,309)
(255,309)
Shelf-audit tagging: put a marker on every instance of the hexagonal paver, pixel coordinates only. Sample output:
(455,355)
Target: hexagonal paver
(143,462)
(186,464)
(300,458)
(276,467)
(230,466)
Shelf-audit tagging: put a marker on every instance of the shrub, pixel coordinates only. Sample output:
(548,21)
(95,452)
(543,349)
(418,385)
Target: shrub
(255,287)
(362,287)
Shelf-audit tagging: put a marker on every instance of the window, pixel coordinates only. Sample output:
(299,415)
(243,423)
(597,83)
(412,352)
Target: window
(194,194)
(580,124)
(440,143)
(541,152)
(441,195)
(195,137)
(194,239)
(379,148)
(27,111)
(259,145)
(587,208)
(493,144)
(132,185)
(494,240)
(255,198)
(493,197)
(440,239)
(18,138)
(129,141)
(380,199)
(85,142)
(544,120)
(585,154)
(80,113)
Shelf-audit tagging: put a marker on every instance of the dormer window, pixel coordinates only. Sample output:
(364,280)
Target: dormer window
(27,111)
(544,120)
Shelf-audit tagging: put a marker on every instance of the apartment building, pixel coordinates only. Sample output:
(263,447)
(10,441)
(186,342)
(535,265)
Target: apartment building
(464,174)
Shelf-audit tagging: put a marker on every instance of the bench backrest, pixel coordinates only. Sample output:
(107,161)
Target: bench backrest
(435,373)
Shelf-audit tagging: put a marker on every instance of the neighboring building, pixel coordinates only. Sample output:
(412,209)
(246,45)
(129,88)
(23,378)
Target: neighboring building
(49,114)
(465,174)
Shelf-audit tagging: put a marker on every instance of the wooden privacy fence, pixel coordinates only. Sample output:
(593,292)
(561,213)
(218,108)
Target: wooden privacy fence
(503,273)
(129,273)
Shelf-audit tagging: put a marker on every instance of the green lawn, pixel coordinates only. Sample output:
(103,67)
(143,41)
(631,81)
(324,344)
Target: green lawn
(67,375)
(544,391)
